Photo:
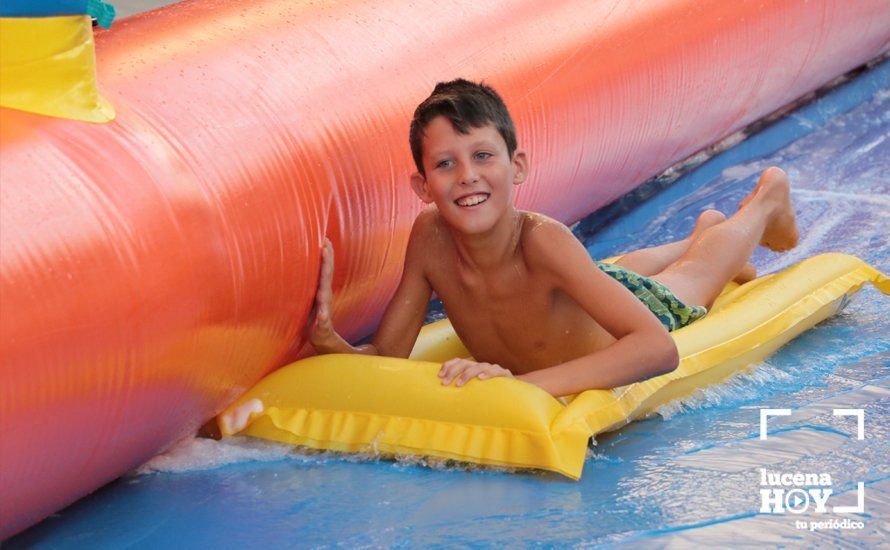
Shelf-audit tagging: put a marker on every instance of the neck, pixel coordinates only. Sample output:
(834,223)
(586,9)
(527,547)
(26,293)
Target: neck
(494,247)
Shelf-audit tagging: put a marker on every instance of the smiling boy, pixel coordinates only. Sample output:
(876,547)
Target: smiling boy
(521,291)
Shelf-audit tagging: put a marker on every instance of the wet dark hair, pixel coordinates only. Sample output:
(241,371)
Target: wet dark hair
(467,105)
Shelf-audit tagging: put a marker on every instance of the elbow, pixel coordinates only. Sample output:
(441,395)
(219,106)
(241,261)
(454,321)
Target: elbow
(669,356)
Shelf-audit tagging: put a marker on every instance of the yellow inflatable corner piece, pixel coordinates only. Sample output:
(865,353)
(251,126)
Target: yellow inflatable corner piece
(48,67)
(355,403)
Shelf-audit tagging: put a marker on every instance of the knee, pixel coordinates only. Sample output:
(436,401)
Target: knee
(711,217)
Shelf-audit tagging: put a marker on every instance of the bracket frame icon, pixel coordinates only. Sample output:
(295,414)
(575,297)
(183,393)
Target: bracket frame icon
(765,414)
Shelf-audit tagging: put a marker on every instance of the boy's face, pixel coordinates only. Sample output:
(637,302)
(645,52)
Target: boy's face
(470,176)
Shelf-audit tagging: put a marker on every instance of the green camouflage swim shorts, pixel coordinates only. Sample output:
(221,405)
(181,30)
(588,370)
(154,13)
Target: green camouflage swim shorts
(672,312)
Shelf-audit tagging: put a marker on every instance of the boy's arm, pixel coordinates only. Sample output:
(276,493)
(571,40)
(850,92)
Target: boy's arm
(643,348)
(403,317)
(401,322)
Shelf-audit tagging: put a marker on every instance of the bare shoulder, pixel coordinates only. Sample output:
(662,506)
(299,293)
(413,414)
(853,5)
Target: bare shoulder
(542,234)
(427,226)
(548,244)
(428,235)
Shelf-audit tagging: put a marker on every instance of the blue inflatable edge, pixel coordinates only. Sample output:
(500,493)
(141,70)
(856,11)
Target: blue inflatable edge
(102,12)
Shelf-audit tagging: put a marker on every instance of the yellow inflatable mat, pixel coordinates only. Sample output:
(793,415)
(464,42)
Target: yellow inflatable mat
(355,403)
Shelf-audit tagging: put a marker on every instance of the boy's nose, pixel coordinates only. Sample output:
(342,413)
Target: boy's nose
(469,175)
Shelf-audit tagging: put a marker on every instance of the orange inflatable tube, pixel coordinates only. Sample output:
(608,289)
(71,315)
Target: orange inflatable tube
(156,266)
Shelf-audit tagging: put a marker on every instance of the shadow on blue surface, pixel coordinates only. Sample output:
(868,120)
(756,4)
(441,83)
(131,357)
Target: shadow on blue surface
(689,477)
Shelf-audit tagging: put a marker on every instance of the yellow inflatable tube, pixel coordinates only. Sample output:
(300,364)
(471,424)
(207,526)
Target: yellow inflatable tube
(356,403)
(48,67)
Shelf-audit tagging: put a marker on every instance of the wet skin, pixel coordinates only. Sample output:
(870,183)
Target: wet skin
(521,291)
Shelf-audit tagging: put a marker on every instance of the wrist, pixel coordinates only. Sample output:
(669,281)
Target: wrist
(366,349)
(535,378)
(329,342)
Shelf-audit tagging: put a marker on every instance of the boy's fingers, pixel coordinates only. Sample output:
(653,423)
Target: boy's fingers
(494,371)
(324,296)
(447,366)
(323,306)
(453,369)
(319,322)
(327,267)
(471,372)
(323,315)
(448,374)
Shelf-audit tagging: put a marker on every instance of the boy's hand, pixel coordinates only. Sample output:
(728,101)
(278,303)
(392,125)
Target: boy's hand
(464,370)
(319,328)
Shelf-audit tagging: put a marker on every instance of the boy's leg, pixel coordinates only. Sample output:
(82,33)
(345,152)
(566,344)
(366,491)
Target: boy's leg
(649,261)
(720,252)
(652,260)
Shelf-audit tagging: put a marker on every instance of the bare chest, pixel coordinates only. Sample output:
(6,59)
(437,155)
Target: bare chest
(515,319)
(509,314)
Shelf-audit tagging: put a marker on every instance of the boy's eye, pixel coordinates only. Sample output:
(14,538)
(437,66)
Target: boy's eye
(444,164)
(482,155)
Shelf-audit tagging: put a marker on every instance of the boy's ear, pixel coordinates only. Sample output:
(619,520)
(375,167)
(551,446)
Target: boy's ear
(520,164)
(418,183)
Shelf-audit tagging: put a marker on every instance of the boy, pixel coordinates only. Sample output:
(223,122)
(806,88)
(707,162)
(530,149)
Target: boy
(520,290)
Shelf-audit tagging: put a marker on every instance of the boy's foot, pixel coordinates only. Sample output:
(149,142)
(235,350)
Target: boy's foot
(780,233)
(710,218)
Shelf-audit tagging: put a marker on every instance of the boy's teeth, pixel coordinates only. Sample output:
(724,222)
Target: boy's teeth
(472,200)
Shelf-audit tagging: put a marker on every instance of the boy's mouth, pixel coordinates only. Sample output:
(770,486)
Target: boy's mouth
(472,200)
